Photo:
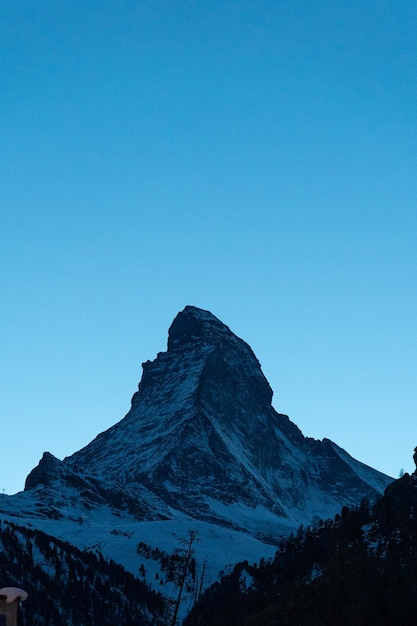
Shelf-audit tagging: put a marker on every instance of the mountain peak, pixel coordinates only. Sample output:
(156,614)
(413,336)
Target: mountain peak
(203,439)
(202,436)
(196,325)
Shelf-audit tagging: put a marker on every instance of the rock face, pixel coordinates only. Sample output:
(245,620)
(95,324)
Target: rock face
(60,484)
(203,439)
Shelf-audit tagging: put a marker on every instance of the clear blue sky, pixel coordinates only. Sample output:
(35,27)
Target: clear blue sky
(253,158)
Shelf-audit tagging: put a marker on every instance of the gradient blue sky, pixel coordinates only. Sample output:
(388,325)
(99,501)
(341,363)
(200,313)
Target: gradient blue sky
(253,158)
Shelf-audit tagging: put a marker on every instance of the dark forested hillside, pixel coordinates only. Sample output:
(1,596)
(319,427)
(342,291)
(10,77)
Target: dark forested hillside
(69,587)
(359,569)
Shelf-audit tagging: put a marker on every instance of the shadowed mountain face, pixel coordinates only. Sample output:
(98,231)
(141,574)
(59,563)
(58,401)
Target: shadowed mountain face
(202,438)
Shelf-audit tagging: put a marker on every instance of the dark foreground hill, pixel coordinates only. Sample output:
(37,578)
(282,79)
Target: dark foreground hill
(70,587)
(359,569)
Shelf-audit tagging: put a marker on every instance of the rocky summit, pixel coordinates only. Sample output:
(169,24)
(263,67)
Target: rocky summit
(202,439)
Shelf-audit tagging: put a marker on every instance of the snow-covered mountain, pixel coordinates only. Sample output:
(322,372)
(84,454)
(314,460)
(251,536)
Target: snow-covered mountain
(201,446)
(203,439)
